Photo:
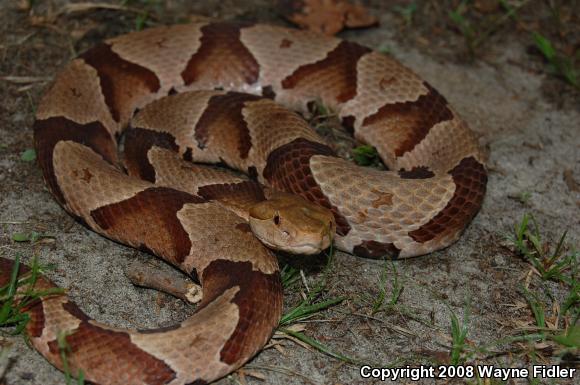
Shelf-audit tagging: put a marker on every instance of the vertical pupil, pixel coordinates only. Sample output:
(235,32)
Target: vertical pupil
(277,219)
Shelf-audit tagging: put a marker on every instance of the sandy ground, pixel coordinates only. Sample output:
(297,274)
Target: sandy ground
(532,140)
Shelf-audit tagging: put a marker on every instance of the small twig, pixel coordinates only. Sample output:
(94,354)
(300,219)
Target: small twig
(88,6)
(12,222)
(4,360)
(394,328)
(282,370)
(145,275)
(304,280)
(25,79)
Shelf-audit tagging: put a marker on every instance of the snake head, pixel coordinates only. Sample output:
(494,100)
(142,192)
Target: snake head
(291,223)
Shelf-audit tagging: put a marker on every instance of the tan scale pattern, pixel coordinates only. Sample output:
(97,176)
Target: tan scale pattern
(221,132)
(379,205)
(272,126)
(283,52)
(110,355)
(333,80)
(397,128)
(439,153)
(215,235)
(381,80)
(76,95)
(189,177)
(56,320)
(220,43)
(185,176)
(186,109)
(88,182)
(164,50)
(193,350)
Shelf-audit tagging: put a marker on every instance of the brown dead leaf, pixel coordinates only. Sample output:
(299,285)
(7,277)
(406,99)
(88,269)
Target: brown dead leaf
(437,355)
(195,18)
(81,30)
(40,20)
(357,16)
(24,5)
(254,374)
(486,6)
(327,16)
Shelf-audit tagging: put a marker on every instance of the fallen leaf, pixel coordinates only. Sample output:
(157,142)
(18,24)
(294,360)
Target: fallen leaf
(437,355)
(28,155)
(80,31)
(327,16)
(357,16)
(24,5)
(486,6)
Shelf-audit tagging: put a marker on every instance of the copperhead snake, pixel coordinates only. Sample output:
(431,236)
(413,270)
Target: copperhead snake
(196,218)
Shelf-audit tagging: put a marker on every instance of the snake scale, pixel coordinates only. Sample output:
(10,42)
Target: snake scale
(196,217)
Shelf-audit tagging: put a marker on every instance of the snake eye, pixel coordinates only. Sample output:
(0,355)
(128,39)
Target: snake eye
(276,219)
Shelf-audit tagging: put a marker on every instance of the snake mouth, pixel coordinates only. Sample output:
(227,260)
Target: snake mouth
(305,247)
(310,247)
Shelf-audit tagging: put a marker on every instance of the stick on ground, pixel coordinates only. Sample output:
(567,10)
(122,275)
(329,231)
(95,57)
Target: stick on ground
(146,275)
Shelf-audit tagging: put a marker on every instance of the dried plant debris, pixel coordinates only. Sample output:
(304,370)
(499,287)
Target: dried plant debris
(572,184)
(327,16)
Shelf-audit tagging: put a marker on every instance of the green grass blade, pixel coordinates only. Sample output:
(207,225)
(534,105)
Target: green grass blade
(305,310)
(317,345)
(545,46)
(7,306)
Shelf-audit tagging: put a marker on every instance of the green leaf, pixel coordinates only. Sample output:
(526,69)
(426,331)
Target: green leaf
(11,290)
(537,307)
(30,237)
(365,155)
(545,46)
(407,12)
(28,155)
(385,49)
(289,275)
(573,299)
(20,237)
(140,21)
(459,333)
(80,378)
(457,18)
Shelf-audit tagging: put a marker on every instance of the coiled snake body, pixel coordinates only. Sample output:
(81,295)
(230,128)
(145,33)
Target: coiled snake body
(434,186)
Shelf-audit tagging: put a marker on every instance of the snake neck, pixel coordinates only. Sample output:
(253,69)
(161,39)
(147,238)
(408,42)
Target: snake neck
(288,169)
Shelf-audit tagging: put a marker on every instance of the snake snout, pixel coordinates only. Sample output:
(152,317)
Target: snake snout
(292,224)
